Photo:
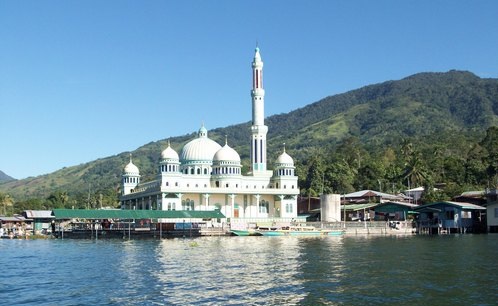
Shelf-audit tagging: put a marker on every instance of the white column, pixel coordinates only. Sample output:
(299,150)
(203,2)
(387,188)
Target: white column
(232,197)
(206,201)
(257,196)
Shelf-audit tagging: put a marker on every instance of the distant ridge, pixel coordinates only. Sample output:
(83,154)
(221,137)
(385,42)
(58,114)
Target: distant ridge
(5,178)
(450,109)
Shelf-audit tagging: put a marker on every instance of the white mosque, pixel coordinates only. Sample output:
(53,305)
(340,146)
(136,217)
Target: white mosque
(207,176)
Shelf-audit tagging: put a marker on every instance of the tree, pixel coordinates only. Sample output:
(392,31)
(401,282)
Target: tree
(475,169)
(315,174)
(415,172)
(339,177)
(370,175)
(5,201)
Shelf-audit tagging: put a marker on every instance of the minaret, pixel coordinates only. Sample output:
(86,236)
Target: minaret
(258,128)
(130,178)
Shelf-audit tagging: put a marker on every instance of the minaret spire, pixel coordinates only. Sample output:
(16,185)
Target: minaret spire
(258,128)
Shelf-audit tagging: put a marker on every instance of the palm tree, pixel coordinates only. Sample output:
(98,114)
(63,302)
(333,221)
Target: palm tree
(407,150)
(415,171)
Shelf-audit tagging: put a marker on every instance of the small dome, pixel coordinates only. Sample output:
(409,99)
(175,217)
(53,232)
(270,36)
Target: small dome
(201,149)
(131,169)
(226,154)
(169,153)
(284,159)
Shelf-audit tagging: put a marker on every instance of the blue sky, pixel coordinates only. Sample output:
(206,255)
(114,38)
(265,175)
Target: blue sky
(81,80)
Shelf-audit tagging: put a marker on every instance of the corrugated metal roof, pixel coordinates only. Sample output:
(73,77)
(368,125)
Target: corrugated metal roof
(13,219)
(355,207)
(135,214)
(39,214)
(369,193)
(408,205)
(462,205)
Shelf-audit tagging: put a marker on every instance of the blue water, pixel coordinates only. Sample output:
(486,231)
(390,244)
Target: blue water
(414,270)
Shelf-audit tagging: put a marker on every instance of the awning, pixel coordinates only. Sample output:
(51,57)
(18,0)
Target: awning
(135,214)
(357,207)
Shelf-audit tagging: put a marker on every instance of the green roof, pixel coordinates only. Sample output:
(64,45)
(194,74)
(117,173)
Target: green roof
(355,207)
(135,214)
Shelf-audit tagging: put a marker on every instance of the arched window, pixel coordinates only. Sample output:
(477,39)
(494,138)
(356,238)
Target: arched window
(198,170)
(171,206)
(205,171)
(264,206)
(188,204)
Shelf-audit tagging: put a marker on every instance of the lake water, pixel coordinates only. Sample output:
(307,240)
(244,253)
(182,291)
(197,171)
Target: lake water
(359,270)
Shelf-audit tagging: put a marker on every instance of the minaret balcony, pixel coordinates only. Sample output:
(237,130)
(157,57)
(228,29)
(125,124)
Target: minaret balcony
(258,92)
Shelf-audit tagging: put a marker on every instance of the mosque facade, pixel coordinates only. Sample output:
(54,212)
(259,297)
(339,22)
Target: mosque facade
(207,176)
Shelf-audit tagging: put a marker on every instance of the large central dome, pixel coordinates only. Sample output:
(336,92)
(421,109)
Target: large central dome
(199,150)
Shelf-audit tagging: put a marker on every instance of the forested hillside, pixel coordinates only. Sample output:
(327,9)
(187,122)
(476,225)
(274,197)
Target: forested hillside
(4,177)
(426,129)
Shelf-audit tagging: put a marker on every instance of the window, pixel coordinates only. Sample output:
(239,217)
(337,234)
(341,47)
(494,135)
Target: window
(171,206)
(264,206)
(450,214)
(198,171)
(288,208)
(188,204)
(496,212)
(205,171)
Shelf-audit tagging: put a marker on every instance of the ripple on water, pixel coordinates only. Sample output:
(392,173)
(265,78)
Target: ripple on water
(251,271)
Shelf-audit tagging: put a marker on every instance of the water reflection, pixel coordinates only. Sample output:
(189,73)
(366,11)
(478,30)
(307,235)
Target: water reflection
(451,270)
(245,270)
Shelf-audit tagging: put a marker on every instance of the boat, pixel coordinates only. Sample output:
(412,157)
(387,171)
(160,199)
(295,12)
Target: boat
(299,231)
(271,231)
(247,232)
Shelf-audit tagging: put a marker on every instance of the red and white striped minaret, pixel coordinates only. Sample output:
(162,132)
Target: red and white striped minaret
(258,128)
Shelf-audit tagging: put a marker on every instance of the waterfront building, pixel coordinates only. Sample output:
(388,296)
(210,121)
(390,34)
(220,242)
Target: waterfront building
(41,219)
(450,217)
(207,176)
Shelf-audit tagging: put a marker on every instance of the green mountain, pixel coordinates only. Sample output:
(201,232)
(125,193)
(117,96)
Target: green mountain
(4,177)
(452,109)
